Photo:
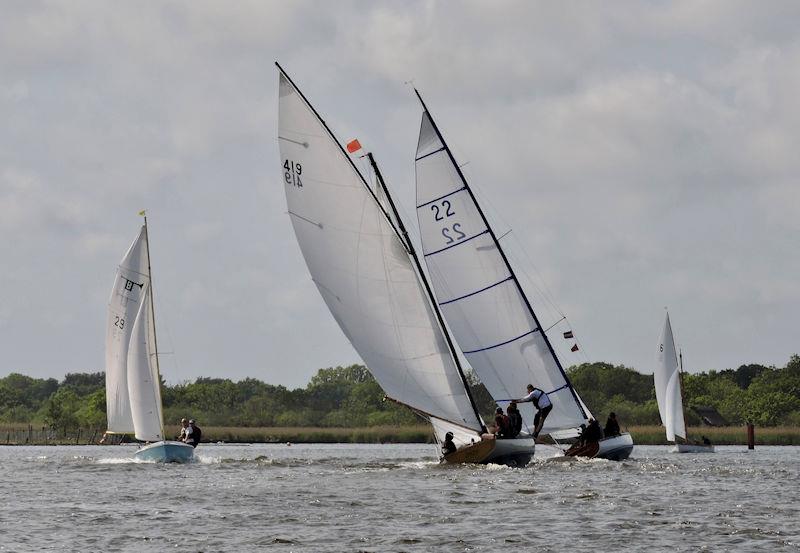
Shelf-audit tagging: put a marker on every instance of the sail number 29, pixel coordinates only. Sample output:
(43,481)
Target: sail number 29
(441,211)
(292,172)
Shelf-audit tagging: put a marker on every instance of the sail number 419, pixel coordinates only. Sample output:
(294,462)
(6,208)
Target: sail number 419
(292,172)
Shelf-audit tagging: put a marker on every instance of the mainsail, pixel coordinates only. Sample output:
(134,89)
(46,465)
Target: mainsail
(362,269)
(127,295)
(144,384)
(668,385)
(478,292)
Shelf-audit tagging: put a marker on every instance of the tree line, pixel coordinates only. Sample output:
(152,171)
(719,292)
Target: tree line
(345,397)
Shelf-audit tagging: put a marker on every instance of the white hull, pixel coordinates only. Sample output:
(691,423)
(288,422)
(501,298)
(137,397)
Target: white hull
(616,448)
(514,452)
(166,452)
(692,448)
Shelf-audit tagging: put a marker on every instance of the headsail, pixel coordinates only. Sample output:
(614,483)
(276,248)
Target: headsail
(362,269)
(668,385)
(143,378)
(479,295)
(127,295)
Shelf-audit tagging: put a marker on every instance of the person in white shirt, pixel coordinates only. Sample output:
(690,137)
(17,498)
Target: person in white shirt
(542,404)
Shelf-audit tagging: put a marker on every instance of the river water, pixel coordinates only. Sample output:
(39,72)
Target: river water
(346,497)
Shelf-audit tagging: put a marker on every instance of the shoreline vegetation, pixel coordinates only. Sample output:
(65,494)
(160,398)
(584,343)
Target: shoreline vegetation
(346,405)
(23,434)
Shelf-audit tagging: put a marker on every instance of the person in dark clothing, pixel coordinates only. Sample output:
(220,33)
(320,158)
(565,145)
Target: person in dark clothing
(448,446)
(502,424)
(193,434)
(706,441)
(593,432)
(516,419)
(612,426)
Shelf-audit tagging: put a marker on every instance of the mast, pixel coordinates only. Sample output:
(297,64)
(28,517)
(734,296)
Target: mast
(680,380)
(502,254)
(153,312)
(413,254)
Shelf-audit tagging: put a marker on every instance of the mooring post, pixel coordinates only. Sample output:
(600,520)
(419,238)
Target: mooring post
(751,436)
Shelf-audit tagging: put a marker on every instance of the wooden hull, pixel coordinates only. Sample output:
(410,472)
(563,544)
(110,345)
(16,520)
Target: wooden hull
(613,448)
(515,452)
(692,448)
(165,452)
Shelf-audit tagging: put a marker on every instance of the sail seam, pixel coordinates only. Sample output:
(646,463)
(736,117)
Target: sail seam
(456,244)
(502,343)
(476,292)
(430,154)
(441,197)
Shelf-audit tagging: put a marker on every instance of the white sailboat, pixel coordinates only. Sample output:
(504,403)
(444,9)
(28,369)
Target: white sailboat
(367,272)
(669,394)
(481,299)
(133,391)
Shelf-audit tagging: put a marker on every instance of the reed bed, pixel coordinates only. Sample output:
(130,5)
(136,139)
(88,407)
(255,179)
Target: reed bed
(723,435)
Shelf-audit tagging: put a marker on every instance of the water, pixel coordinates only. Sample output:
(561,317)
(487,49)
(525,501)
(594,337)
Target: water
(316,497)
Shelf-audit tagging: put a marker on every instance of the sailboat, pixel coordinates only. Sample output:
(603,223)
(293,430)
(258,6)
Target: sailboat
(482,300)
(669,394)
(366,270)
(133,383)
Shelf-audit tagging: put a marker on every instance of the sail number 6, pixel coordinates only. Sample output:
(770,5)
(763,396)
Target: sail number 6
(292,172)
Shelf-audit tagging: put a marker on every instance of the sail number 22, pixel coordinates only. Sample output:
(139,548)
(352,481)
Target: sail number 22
(441,211)
(292,172)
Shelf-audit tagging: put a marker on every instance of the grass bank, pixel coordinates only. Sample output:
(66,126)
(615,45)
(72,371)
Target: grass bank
(724,435)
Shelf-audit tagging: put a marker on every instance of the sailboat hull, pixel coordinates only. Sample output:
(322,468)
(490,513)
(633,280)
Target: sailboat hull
(613,448)
(165,452)
(692,448)
(515,452)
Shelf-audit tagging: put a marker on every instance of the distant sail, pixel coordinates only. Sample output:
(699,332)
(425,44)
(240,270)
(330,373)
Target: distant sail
(143,380)
(362,269)
(127,295)
(478,294)
(668,385)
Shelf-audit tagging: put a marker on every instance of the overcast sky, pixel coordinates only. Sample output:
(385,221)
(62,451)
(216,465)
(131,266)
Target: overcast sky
(643,155)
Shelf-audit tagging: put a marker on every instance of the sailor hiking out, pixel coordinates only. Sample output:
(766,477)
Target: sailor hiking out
(542,404)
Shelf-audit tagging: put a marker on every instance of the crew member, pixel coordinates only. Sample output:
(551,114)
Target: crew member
(542,404)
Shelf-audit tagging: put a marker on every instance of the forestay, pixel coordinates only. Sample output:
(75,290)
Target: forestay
(362,269)
(127,294)
(477,291)
(668,385)
(143,379)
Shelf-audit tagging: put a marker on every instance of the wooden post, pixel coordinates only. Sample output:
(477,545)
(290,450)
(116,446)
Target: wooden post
(751,436)
(78,437)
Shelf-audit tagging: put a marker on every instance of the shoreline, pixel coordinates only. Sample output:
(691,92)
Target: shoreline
(24,434)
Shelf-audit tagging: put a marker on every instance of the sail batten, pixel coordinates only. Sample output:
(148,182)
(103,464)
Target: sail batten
(481,299)
(360,264)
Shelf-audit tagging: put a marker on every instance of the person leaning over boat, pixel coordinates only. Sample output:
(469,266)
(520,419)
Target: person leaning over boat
(612,426)
(193,434)
(542,404)
(448,446)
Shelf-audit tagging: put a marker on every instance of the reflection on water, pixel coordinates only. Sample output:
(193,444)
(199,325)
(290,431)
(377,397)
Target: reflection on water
(396,498)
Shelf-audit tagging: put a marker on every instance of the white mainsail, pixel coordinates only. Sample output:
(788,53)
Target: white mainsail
(478,293)
(362,269)
(668,385)
(127,295)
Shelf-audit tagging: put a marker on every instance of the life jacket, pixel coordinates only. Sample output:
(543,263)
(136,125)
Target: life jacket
(536,398)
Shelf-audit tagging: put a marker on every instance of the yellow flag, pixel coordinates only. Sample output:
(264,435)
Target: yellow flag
(142,212)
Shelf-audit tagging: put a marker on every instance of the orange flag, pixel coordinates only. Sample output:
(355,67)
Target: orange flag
(353,146)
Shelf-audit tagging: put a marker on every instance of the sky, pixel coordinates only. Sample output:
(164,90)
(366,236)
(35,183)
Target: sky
(640,155)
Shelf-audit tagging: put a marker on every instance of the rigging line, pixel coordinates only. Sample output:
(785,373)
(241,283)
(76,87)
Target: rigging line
(303,144)
(457,243)
(304,219)
(555,323)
